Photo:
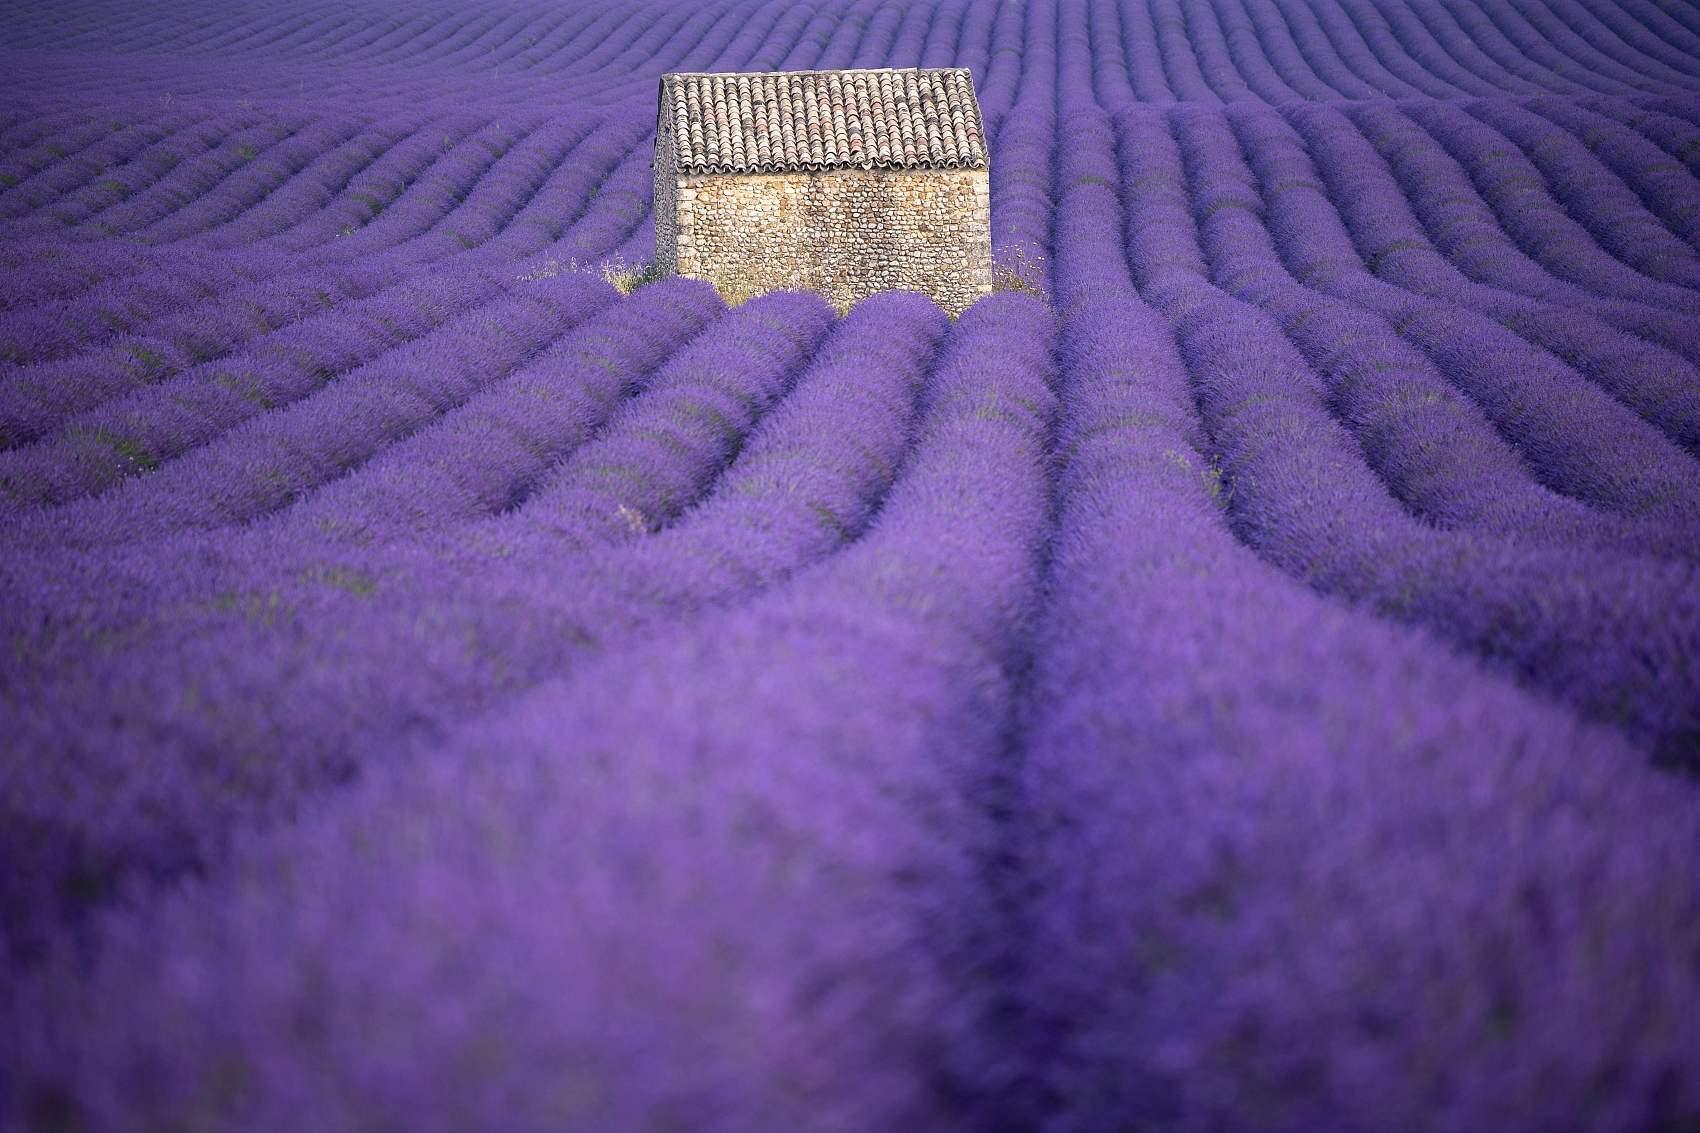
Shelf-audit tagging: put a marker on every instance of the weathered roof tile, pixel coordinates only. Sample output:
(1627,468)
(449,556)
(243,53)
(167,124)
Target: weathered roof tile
(784,121)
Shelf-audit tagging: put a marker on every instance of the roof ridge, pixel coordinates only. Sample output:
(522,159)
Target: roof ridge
(810,71)
(829,118)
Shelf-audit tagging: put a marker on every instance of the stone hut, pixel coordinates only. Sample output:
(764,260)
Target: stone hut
(839,182)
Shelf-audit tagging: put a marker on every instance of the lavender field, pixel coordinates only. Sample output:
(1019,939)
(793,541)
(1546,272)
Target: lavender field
(1248,679)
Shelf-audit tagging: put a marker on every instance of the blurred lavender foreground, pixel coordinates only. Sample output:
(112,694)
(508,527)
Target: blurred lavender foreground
(1245,678)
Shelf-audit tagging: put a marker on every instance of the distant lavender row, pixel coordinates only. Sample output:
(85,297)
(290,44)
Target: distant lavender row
(290,449)
(1315,50)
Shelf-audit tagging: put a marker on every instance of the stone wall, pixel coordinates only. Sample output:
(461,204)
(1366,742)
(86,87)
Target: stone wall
(843,233)
(665,203)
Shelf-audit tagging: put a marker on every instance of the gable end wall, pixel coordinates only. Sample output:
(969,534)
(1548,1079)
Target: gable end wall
(845,234)
(666,191)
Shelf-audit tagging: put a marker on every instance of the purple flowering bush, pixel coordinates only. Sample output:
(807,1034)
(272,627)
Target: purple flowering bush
(1247,678)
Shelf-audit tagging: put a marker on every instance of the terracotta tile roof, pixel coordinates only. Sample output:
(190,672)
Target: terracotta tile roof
(786,121)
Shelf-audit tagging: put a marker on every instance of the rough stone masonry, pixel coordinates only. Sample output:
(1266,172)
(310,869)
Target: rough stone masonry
(840,182)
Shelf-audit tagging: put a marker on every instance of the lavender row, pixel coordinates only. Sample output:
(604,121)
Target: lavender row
(1606,632)
(235,174)
(75,324)
(76,157)
(1652,174)
(659,451)
(781,799)
(134,432)
(43,270)
(1599,336)
(388,647)
(1316,50)
(1459,468)
(1290,866)
(259,465)
(1303,497)
(1502,175)
(172,307)
(207,327)
(1575,437)
(484,456)
(117,306)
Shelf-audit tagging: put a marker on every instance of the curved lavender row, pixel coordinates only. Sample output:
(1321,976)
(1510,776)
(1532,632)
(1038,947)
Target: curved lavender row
(1515,50)
(809,480)
(1291,867)
(1572,435)
(1321,55)
(1660,183)
(1589,458)
(1484,475)
(68,149)
(198,314)
(613,216)
(117,161)
(1642,42)
(1391,43)
(1606,633)
(395,176)
(556,230)
(1541,227)
(478,194)
(1644,376)
(287,204)
(660,449)
(1434,447)
(815,869)
(40,399)
(40,330)
(1461,226)
(1677,27)
(1575,30)
(1358,59)
(259,465)
(1389,73)
(465,627)
(1440,591)
(1316,42)
(384,182)
(1267,55)
(1455,59)
(1607,209)
(1345,39)
(429,198)
(418,230)
(100,447)
(42,270)
(243,176)
(223,150)
(1314,56)
(32,129)
(400,249)
(1678,138)
(1342,40)
(482,456)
